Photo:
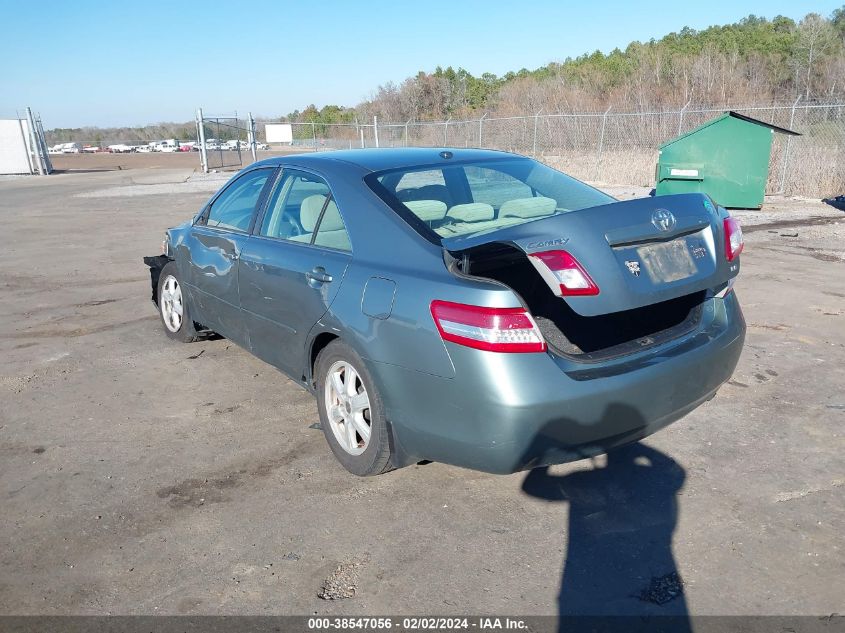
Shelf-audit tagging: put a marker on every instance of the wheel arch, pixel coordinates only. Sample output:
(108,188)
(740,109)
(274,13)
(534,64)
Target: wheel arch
(318,344)
(156,264)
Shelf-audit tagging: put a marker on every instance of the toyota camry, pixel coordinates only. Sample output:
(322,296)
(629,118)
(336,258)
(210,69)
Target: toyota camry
(471,307)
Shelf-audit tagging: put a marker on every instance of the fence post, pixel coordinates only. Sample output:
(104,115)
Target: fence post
(201,131)
(601,142)
(33,137)
(681,118)
(480,123)
(43,140)
(406,132)
(314,134)
(446,132)
(250,135)
(536,120)
(375,129)
(786,151)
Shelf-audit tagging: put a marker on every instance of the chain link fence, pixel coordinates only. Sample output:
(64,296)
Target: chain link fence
(614,147)
(221,139)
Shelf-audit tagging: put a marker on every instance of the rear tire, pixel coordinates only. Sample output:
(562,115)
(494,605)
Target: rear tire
(173,306)
(351,411)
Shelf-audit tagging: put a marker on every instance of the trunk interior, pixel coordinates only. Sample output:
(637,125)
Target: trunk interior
(570,334)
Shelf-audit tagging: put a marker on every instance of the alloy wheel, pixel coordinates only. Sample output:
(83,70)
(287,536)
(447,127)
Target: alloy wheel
(348,408)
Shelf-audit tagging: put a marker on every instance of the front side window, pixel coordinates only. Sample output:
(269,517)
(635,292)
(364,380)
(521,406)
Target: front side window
(234,207)
(469,198)
(301,209)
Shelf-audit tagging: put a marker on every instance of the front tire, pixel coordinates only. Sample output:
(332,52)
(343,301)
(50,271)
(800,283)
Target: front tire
(173,306)
(351,411)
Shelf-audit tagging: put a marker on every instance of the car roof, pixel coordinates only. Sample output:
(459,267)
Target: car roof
(379,159)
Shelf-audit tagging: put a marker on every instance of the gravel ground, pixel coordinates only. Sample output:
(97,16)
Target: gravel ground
(139,476)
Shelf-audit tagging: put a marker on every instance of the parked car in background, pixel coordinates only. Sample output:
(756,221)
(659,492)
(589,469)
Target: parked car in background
(262,146)
(71,148)
(187,146)
(466,306)
(168,145)
(236,145)
(120,148)
(55,149)
(145,149)
(213,143)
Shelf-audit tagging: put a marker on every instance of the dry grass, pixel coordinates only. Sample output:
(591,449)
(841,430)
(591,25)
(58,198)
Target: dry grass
(812,171)
(631,167)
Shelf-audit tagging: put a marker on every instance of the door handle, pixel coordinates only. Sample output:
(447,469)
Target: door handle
(318,275)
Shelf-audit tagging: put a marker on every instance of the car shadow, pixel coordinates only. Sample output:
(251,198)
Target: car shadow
(622,515)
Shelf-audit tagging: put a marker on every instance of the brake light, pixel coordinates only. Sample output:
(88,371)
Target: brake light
(733,239)
(561,269)
(490,329)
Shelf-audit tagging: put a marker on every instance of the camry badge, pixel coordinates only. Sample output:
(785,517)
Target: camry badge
(663,220)
(633,268)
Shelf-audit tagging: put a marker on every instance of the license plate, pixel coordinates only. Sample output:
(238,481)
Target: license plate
(667,262)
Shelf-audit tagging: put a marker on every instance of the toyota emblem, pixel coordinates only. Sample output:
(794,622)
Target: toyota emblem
(663,220)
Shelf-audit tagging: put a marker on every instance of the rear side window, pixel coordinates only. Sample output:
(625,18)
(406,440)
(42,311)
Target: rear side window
(301,209)
(234,207)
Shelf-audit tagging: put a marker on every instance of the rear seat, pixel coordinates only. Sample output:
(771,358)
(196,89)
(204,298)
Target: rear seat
(480,216)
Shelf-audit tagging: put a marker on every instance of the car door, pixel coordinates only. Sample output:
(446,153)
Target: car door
(291,269)
(212,250)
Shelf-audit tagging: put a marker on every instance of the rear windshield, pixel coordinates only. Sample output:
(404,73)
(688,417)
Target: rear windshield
(462,199)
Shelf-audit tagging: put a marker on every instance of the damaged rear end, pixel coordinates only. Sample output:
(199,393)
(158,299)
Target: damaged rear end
(613,280)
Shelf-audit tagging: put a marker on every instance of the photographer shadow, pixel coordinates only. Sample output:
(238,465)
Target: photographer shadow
(622,515)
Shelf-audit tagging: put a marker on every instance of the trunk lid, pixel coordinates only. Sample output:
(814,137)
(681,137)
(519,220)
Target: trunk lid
(638,252)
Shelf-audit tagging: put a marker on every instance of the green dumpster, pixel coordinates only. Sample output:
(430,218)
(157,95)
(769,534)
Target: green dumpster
(727,158)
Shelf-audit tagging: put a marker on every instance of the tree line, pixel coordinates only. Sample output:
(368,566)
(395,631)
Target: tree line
(752,61)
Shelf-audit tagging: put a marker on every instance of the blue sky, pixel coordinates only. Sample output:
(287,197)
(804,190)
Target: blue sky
(121,63)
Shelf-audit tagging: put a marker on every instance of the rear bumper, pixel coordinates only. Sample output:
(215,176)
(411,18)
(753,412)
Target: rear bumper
(508,412)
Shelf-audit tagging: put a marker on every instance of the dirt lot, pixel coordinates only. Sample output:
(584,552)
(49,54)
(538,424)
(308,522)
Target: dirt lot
(142,476)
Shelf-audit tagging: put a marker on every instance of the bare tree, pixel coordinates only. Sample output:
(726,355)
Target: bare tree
(816,38)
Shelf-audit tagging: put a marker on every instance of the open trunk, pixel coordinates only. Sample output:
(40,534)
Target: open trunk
(650,264)
(586,337)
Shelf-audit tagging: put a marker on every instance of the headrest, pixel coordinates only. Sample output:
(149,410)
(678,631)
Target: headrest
(331,219)
(528,207)
(309,213)
(472,212)
(427,210)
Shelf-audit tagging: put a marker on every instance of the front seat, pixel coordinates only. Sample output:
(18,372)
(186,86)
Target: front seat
(332,232)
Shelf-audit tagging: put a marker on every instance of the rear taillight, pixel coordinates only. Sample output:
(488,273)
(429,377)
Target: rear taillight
(733,239)
(561,269)
(490,329)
